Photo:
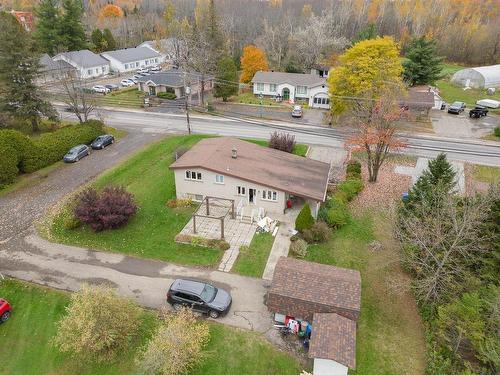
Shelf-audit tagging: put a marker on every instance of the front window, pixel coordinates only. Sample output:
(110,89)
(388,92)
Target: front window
(240,190)
(89,71)
(219,178)
(260,87)
(208,293)
(272,87)
(97,71)
(301,90)
(126,66)
(269,195)
(191,175)
(156,60)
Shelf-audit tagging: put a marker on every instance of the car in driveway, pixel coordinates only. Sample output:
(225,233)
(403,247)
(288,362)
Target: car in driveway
(456,108)
(102,141)
(297,111)
(127,82)
(199,296)
(5,310)
(76,153)
(100,89)
(142,70)
(155,68)
(478,111)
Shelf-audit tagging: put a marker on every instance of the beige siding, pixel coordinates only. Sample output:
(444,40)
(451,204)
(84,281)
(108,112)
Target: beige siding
(208,186)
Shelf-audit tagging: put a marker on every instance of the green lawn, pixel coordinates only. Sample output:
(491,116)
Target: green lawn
(252,261)
(151,232)
(27,348)
(487,174)
(250,98)
(129,97)
(450,68)
(451,93)
(390,334)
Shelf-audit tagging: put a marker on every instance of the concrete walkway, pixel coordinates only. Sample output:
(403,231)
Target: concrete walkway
(31,258)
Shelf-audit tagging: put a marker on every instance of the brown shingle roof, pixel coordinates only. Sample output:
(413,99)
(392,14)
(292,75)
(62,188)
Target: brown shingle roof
(334,337)
(317,283)
(262,165)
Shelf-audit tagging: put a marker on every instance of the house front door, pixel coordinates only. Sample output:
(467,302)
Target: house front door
(251,195)
(286,94)
(152,90)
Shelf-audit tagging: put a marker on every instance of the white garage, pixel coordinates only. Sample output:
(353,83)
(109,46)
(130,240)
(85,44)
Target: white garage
(478,78)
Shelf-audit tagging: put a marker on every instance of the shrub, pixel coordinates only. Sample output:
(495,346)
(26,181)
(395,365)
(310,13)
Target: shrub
(176,346)
(109,209)
(98,324)
(320,231)
(71,222)
(337,213)
(308,236)
(497,131)
(174,203)
(51,147)
(295,237)
(304,220)
(166,95)
(299,248)
(8,166)
(350,188)
(282,141)
(353,169)
(223,245)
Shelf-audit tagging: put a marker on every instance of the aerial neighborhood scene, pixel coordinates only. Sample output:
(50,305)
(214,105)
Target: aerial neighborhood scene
(251,187)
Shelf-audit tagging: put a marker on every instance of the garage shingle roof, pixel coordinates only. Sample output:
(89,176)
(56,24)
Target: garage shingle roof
(317,283)
(84,58)
(262,165)
(334,337)
(132,54)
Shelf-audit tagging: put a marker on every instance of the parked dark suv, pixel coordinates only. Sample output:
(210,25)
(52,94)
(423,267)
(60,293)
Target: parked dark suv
(199,296)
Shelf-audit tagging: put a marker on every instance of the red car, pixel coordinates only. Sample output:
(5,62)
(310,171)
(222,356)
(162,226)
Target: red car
(5,310)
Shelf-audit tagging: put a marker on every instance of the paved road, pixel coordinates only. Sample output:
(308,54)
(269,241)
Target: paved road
(479,152)
(24,255)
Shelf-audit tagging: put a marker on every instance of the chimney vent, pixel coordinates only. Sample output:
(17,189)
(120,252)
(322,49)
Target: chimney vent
(234,153)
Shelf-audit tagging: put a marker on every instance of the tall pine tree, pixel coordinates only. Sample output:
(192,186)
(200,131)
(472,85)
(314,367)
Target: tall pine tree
(19,66)
(110,43)
(422,66)
(71,28)
(97,40)
(226,83)
(46,34)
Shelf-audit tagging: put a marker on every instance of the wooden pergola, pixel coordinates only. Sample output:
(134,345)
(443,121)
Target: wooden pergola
(218,211)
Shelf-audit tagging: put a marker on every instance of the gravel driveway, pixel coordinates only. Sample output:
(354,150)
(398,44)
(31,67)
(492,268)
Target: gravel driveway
(24,255)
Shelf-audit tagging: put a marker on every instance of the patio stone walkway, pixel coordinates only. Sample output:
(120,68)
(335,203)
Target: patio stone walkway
(236,233)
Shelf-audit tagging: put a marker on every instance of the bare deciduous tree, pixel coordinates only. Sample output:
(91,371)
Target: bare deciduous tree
(80,100)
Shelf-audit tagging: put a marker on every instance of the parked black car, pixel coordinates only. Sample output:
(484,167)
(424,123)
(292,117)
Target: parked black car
(478,111)
(111,87)
(76,153)
(456,107)
(102,141)
(199,296)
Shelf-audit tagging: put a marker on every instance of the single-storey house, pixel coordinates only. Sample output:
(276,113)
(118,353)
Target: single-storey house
(302,289)
(131,59)
(175,81)
(333,344)
(293,87)
(249,174)
(53,70)
(419,100)
(171,49)
(86,63)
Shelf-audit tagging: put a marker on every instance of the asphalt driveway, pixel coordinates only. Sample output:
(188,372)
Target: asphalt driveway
(26,256)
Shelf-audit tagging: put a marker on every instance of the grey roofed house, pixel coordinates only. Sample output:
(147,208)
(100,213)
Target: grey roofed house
(131,54)
(266,166)
(47,64)
(83,58)
(295,79)
(173,78)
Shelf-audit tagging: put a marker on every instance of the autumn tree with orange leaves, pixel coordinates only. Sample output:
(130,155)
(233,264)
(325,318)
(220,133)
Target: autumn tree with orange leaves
(376,134)
(111,11)
(252,60)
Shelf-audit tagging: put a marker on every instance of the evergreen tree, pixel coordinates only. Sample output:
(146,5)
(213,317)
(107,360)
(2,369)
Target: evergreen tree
(369,32)
(71,29)
(110,43)
(422,66)
(97,40)
(46,34)
(226,79)
(439,175)
(19,66)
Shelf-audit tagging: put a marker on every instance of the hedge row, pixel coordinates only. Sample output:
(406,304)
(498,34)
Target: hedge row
(335,211)
(19,153)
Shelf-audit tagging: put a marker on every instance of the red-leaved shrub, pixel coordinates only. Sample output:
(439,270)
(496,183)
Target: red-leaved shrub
(282,141)
(109,209)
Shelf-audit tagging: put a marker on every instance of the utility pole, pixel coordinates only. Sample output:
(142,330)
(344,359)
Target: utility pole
(188,91)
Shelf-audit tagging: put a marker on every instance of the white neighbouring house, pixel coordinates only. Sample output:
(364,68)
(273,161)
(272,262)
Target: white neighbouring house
(131,59)
(87,64)
(171,49)
(249,174)
(293,87)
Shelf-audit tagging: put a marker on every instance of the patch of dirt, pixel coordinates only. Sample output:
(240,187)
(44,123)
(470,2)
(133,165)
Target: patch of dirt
(473,186)
(386,191)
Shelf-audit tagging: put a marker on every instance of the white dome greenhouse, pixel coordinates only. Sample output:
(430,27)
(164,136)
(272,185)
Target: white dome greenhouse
(478,78)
